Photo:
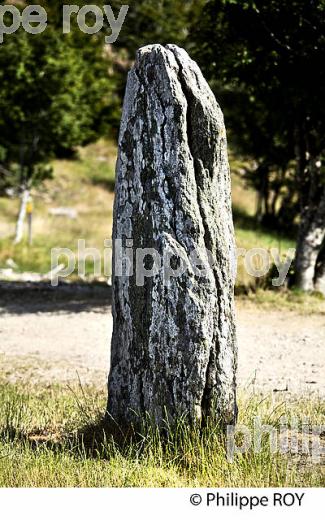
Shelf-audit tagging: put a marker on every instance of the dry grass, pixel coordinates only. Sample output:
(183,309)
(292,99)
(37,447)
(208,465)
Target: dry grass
(78,184)
(54,437)
(86,185)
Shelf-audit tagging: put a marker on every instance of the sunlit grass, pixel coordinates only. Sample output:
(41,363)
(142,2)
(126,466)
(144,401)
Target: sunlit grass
(81,184)
(53,436)
(290,300)
(85,184)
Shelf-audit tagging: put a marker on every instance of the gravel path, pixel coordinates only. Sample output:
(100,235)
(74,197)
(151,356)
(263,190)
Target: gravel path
(278,351)
(281,351)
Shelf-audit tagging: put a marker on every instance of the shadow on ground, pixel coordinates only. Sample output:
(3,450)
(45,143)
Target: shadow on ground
(32,297)
(96,439)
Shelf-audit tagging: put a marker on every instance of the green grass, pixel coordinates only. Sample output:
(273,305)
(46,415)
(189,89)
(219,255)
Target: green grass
(86,184)
(290,300)
(52,437)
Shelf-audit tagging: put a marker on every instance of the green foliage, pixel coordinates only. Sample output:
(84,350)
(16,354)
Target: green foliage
(266,60)
(56,93)
(159,21)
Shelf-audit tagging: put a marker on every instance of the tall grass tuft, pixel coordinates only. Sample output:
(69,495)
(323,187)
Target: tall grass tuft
(56,437)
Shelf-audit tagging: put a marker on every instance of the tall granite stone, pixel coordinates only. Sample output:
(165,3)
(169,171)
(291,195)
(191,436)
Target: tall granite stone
(173,349)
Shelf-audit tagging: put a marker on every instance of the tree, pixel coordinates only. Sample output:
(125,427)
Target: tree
(274,53)
(320,271)
(159,21)
(56,94)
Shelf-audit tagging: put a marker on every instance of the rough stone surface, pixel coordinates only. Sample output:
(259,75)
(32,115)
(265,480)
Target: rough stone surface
(173,344)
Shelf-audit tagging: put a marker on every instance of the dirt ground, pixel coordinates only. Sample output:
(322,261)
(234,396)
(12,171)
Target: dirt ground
(47,340)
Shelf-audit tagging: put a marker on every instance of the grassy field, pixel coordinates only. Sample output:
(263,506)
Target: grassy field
(86,185)
(53,436)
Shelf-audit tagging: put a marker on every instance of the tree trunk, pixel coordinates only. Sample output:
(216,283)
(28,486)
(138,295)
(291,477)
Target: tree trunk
(173,347)
(21,216)
(320,271)
(310,239)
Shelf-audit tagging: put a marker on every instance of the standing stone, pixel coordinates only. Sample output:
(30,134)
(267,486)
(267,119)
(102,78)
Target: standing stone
(174,346)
